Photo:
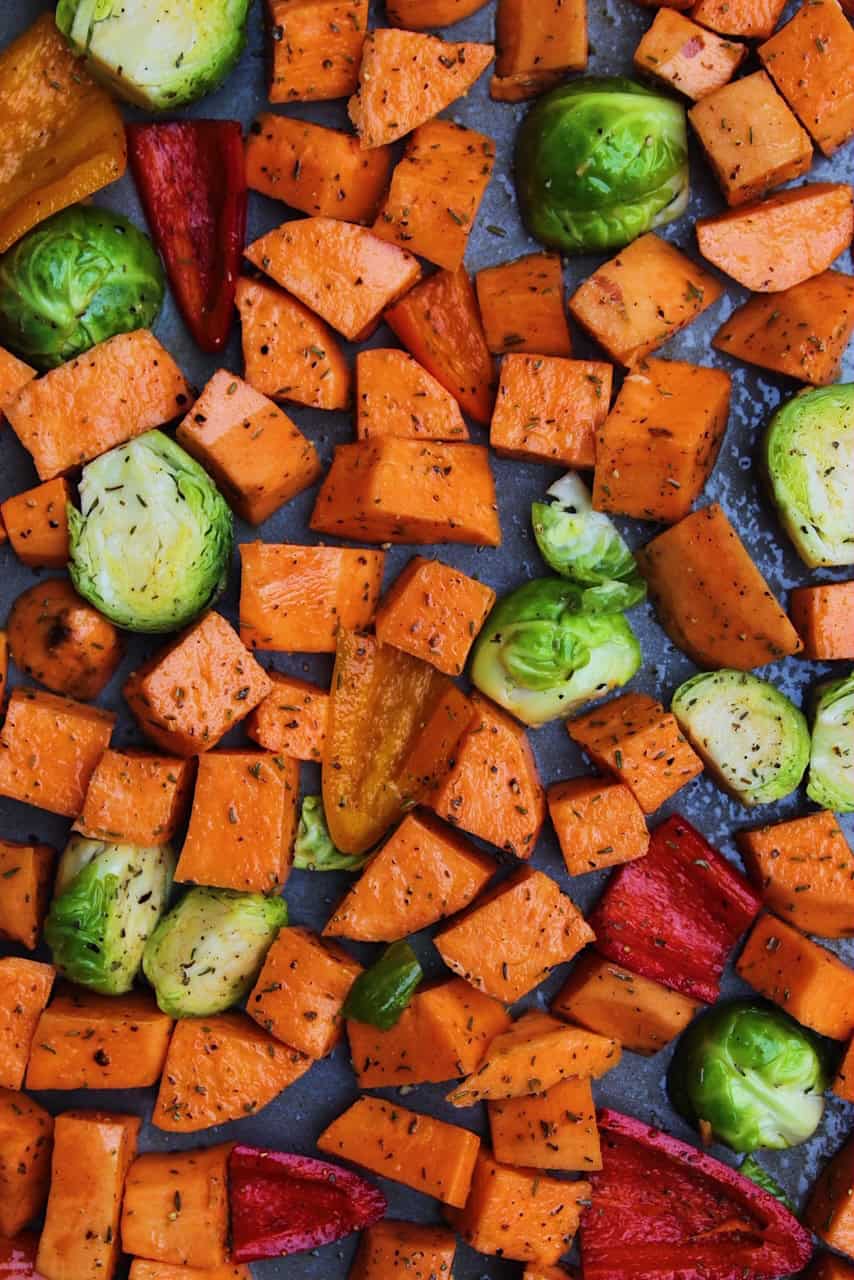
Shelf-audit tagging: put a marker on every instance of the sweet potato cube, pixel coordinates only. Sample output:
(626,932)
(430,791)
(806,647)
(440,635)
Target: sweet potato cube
(91,1154)
(554,1129)
(493,789)
(317,45)
(87,1041)
(404,1249)
(395,396)
(750,19)
(142,1269)
(258,457)
(642,1015)
(423,872)
(135,797)
(751,139)
(521,305)
(548,409)
(544,1219)
(598,823)
(294,599)
(830,1210)
(422,15)
(189,695)
(843,1086)
(429,1155)
(811,60)
(25,986)
(49,747)
(153,1225)
(36,523)
(801,332)
(26,1139)
(26,874)
(512,939)
(292,718)
(805,979)
(14,375)
(242,823)
(678,53)
(823,617)
(4,643)
(805,872)
(656,448)
(222,1068)
(301,989)
(635,302)
(539,36)
(434,612)
(392,490)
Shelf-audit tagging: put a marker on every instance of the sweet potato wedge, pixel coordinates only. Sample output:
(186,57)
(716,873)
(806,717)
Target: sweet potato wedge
(598,823)
(36,523)
(823,617)
(49,748)
(301,989)
(804,869)
(26,1139)
(14,375)
(805,979)
(291,719)
(136,797)
(830,1210)
(811,60)
(539,38)
(396,396)
(25,987)
(552,1129)
(434,612)
(749,19)
(548,409)
(152,1224)
(26,872)
(679,53)
(404,1250)
(317,45)
(521,305)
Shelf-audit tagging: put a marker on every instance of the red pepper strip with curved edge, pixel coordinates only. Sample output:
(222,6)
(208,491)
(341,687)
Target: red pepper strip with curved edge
(18,1257)
(282,1203)
(661,1210)
(191,178)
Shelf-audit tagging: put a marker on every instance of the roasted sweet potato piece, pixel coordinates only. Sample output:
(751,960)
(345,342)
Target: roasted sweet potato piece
(521,304)
(26,875)
(154,1226)
(552,1129)
(4,658)
(135,797)
(534,1271)
(36,523)
(683,56)
(434,612)
(142,1269)
(805,872)
(548,409)
(58,639)
(538,40)
(823,617)
(830,1211)
(14,375)
(424,15)
(811,60)
(49,747)
(523,86)
(750,19)
(25,986)
(291,719)
(404,1249)
(395,396)
(26,1138)
(598,824)
(317,45)
(843,1085)
(301,989)
(805,979)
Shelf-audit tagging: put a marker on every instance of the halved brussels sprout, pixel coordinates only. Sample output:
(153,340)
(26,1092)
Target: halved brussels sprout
(586,547)
(831,780)
(809,460)
(752,739)
(107,901)
(151,544)
(540,655)
(313,847)
(158,54)
(600,161)
(206,953)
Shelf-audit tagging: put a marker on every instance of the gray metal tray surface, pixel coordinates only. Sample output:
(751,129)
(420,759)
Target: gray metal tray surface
(295,1119)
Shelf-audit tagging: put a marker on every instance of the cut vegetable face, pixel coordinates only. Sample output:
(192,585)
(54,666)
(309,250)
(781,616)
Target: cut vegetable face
(151,544)
(751,737)
(313,849)
(831,780)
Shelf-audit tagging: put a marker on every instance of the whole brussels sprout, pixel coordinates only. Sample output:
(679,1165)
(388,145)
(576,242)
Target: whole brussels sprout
(831,780)
(107,901)
(600,161)
(158,54)
(313,847)
(752,1074)
(151,545)
(78,278)
(206,953)
(541,654)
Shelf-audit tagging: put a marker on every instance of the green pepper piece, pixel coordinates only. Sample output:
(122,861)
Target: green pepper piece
(380,994)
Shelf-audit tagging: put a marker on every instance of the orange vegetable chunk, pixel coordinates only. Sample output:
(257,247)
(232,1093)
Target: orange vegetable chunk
(405,1249)
(406,78)
(49,748)
(14,375)
(823,617)
(521,304)
(25,986)
(534,37)
(598,822)
(805,870)
(87,1041)
(830,1210)
(710,598)
(152,1227)
(657,447)
(554,1129)
(420,15)
(811,60)
(4,651)
(843,1085)
(36,523)
(142,1269)
(548,409)
(523,85)
(805,979)
(118,390)
(539,1271)
(750,19)
(188,695)
(135,797)
(26,874)
(291,719)
(222,1068)
(681,55)
(58,639)
(635,302)
(429,1155)
(26,1138)
(342,271)
(92,1151)
(514,936)
(434,612)
(395,396)
(300,991)
(317,45)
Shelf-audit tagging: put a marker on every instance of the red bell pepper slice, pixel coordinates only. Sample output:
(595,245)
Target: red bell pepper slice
(191,177)
(282,1203)
(675,915)
(18,1257)
(661,1210)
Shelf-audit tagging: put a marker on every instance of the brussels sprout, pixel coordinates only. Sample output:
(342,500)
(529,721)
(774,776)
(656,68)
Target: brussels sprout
(599,161)
(750,736)
(831,780)
(752,1075)
(107,901)
(809,461)
(151,544)
(313,848)
(78,278)
(585,546)
(206,953)
(158,54)
(752,1169)
(541,655)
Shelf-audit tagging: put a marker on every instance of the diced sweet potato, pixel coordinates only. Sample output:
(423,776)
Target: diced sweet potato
(14,375)
(801,333)
(823,617)
(555,1129)
(548,409)
(26,876)
(317,45)
(710,597)
(25,986)
(291,719)
(142,1269)
(830,1211)
(189,695)
(49,748)
(678,53)
(405,1249)
(424,15)
(534,37)
(751,139)
(294,599)
(392,490)
(598,824)
(811,60)
(843,1085)
(406,78)
(805,871)
(135,797)
(523,85)
(395,396)
(87,1041)
(805,979)
(429,1155)
(521,304)
(750,19)
(176,1207)
(635,302)
(300,991)
(434,612)
(514,936)
(55,637)
(656,448)
(36,523)
(26,1138)
(4,654)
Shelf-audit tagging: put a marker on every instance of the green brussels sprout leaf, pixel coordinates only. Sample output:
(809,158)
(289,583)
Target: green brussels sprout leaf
(831,778)
(313,848)
(380,994)
(752,1169)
